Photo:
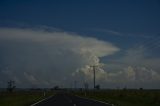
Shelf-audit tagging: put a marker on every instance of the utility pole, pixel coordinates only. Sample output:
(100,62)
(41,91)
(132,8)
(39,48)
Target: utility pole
(11,86)
(94,75)
(75,84)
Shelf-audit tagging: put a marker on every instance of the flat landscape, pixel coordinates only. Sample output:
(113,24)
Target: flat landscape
(125,97)
(82,98)
(21,98)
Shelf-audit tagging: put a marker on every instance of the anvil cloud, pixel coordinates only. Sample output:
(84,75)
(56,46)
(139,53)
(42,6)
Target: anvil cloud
(40,58)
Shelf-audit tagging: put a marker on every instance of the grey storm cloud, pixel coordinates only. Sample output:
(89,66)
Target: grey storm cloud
(39,58)
(45,58)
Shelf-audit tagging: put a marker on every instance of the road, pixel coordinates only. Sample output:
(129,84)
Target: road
(64,99)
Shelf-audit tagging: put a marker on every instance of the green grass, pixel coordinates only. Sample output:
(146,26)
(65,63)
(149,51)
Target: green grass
(23,98)
(125,97)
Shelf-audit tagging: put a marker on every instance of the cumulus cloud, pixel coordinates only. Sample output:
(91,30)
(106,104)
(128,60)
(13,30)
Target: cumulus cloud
(135,68)
(136,74)
(36,57)
(126,75)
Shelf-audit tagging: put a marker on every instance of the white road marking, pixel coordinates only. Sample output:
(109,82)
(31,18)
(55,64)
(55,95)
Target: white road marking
(41,100)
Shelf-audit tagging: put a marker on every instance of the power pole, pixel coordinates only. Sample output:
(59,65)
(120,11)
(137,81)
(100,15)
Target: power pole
(94,75)
(75,84)
(11,86)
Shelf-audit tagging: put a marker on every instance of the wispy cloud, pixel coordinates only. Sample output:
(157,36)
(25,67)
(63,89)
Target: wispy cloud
(109,32)
(121,34)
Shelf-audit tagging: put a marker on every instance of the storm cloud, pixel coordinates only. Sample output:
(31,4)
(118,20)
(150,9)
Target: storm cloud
(38,57)
(41,58)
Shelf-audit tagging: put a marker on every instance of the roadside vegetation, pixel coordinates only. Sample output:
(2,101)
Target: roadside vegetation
(22,98)
(125,97)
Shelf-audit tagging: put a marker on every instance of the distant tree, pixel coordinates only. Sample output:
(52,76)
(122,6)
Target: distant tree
(140,88)
(97,87)
(56,87)
(11,86)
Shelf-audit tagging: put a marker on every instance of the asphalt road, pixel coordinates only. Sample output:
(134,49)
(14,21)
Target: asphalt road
(64,99)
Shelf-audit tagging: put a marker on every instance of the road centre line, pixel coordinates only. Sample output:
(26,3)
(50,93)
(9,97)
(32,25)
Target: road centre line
(41,100)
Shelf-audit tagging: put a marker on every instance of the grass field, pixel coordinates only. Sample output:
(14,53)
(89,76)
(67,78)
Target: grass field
(116,97)
(125,97)
(21,98)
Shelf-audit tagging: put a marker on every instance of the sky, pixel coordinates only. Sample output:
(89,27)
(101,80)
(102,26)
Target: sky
(44,43)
